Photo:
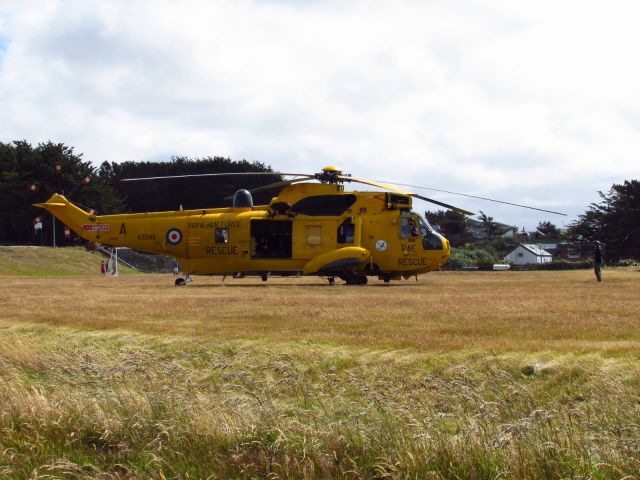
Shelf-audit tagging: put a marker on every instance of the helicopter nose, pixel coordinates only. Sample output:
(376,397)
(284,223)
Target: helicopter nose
(446,246)
(446,252)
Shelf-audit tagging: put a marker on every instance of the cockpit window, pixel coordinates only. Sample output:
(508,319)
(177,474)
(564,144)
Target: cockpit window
(425,228)
(432,241)
(404,227)
(409,227)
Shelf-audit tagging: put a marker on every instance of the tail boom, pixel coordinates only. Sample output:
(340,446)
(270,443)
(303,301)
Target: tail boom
(140,231)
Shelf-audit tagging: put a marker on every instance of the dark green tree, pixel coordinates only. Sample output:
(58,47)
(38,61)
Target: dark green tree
(547,229)
(614,221)
(490,227)
(30,175)
(452,224)
(190,193)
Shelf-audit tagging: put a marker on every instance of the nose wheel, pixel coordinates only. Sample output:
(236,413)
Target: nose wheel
(181,282)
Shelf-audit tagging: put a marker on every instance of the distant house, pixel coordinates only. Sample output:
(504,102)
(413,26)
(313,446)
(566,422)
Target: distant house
(574,251)
(570,251)
(527,254)
(552,248)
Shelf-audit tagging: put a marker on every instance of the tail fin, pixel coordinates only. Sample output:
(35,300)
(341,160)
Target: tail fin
(72,216)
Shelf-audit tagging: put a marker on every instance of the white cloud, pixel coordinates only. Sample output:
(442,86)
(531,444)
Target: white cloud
(529,103)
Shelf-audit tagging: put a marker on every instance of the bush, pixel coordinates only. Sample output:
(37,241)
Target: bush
(565,265)
(627,262)
(471,257)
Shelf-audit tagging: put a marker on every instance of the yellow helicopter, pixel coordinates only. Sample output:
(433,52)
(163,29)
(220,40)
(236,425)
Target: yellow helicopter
(307,229)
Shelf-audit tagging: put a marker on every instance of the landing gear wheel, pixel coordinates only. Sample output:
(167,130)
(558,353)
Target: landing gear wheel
(355,279)
(180,282)
(331,280)
(372,269)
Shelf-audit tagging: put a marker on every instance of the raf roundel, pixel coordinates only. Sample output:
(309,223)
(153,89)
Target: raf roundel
(174,236)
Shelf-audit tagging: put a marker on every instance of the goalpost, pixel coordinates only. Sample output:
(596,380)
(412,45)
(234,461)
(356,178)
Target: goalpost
(113,260)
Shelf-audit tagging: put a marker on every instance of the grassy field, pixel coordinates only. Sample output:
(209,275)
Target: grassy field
(459,375)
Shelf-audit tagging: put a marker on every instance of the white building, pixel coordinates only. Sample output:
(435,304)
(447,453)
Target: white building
(527,254)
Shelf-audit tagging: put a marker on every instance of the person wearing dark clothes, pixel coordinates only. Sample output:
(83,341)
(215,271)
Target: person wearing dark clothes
(597,261)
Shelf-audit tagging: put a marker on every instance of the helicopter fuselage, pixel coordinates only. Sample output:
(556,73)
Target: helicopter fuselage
(308,229)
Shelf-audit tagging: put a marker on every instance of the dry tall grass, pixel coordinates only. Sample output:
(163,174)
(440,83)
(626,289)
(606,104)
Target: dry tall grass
(460,375)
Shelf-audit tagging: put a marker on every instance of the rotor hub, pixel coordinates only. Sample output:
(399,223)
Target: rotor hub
(331,175)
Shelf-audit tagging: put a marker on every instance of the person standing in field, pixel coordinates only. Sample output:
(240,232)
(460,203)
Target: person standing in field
(103,267)
(176,267)
(597,260)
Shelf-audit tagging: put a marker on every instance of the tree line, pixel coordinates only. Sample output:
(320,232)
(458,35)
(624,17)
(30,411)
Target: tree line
(614,221)
(31,175)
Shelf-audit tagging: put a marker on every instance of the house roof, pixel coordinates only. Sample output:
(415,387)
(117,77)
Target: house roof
(535,249)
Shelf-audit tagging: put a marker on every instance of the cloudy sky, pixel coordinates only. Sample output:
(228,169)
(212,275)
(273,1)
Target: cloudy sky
(530,102)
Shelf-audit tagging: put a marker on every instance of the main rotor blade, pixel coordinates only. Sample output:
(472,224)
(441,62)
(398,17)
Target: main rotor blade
(375,183)
(480,198)
(283,183)
(273,174)
(442,204)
